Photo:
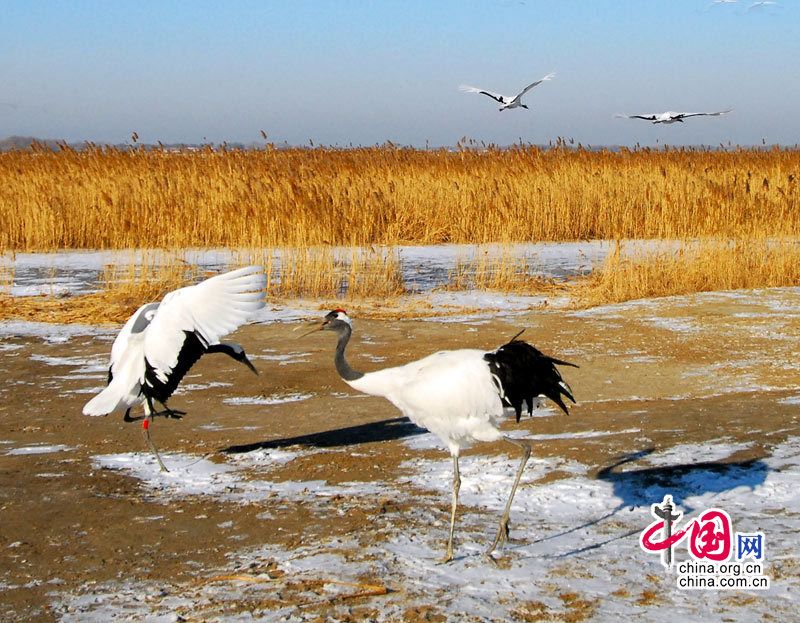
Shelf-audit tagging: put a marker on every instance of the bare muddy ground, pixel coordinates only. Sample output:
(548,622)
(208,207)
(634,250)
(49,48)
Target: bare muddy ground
(292,498)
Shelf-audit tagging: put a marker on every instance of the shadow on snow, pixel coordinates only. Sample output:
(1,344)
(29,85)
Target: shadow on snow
(633,488)
(648,485)
(385,430)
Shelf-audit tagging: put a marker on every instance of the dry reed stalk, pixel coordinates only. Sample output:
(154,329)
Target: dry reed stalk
(123,289)
(307,273)
(702,266)
(411,307)
(337,273)
(371,280)
(374,274)
(319,273)
(7,274)
(506,272)
(107,198)
(135,284)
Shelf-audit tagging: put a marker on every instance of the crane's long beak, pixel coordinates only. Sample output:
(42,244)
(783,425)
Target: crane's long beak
(250,365)
(316,326)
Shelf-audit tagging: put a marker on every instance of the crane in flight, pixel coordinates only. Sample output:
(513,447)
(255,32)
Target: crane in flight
(671,116)
(513,101)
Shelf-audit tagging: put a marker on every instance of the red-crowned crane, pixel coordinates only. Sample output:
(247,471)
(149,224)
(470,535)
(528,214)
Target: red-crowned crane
(513,101)
(458,395)
(672,117)
(162,341)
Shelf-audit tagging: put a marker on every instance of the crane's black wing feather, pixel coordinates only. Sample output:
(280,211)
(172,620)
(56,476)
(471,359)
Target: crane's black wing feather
(193,348)
(525,372)
(493,96)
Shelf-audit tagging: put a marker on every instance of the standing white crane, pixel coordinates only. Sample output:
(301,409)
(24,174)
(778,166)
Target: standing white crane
(514,101)
(162,341)
(458,395)
(672,117)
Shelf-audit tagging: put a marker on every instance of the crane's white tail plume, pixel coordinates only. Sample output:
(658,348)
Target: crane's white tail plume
(106,401)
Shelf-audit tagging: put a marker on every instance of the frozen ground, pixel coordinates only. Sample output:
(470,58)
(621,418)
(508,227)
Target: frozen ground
(290,498)
(578,542)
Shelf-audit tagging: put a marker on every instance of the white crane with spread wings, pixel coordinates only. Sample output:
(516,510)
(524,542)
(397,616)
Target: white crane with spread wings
(673,117)
(162,341)
(514,101)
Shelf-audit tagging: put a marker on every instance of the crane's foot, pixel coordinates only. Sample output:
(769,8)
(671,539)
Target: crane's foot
(487,556)
(501,538)
(127,417)
(174,414)
(447,558)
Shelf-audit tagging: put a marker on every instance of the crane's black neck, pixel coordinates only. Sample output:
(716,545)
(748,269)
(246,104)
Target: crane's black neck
(342,367)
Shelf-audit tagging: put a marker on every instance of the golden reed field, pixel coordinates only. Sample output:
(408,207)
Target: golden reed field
(107,198)
(737,211)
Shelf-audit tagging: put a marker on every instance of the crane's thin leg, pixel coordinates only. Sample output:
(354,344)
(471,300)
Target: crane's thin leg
(148,417)
(456,486)
(502,531)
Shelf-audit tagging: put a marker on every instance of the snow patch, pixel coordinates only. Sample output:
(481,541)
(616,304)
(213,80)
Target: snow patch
(686,454)
(274,399)
(576,534)
(192,387)
(50,333)
(192,475)
(284,359)
(38,449)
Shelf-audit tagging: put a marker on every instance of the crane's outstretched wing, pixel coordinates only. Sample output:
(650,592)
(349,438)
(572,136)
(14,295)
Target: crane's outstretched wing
(549,76)
(719,3)
(645,117)
(761,5)
(161,341)
(191,319)
(686,115)
(465,88)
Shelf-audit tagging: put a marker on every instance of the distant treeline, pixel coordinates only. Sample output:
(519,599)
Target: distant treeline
(24,143)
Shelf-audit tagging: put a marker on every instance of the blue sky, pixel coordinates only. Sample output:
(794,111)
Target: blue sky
(365,72)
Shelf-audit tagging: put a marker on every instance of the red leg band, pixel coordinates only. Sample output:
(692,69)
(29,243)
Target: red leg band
(145,423)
